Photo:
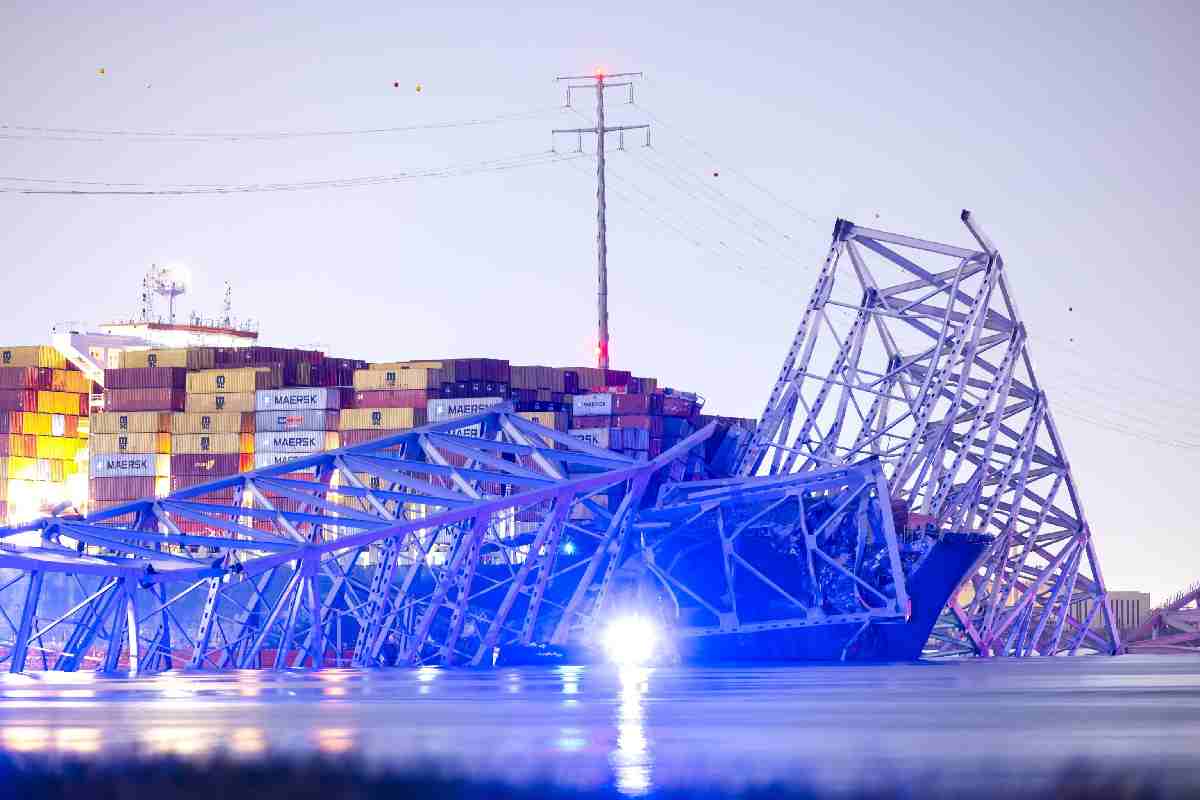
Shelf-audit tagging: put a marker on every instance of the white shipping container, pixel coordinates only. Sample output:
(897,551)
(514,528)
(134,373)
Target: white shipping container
(281,420)
(596,437)
(592,405)
(295,442)
(443,409)
(297,399)
(262,460)
(129,465)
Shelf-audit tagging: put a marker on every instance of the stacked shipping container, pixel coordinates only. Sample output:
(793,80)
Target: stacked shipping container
(43,431)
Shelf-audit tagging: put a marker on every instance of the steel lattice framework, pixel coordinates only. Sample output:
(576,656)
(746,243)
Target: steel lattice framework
(1173,627)
(434,546)
(913,352)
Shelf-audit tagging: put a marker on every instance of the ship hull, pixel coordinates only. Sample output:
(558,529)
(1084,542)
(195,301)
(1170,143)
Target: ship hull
(929,588)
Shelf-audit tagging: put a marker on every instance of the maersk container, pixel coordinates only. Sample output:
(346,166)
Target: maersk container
(645,422)
(211,464)
(244,379)
(596,437)
(295,442)
(381,418)
(143,399)
(200,443)
(208,403)
(216,422)
(593,422)
(443,409)
(263,460)
(273,421)
(131,422)
(130,465)
(110,443)
(297,399)
(676,406)
(146,378)
(592,405)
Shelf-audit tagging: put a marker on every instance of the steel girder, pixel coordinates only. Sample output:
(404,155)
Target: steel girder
(913,352)
(432,546)
(712,545)
(1173,627)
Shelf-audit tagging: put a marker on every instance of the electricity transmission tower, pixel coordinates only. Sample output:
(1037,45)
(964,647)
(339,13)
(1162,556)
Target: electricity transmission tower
(599,81)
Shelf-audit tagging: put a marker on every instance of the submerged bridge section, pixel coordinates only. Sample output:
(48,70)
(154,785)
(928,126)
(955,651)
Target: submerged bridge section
(431,547)
(1173,627)
(912,352)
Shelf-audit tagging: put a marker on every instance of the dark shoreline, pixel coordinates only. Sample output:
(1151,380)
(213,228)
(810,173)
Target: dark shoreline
(39,777)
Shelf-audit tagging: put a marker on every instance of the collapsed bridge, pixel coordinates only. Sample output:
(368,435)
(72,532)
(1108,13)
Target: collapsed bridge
(907,400)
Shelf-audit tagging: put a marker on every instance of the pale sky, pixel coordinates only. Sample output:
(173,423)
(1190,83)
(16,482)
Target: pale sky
(1070,132)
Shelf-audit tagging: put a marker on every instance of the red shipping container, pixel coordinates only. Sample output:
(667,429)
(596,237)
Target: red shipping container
(210,465)
(677,406)
(23,378)
(144,399)
(18,400)
(146,378)
(392,398)
(643,422)
(223,496)
(592,422)
(18,444)
(120,488)
(656,447)
(636,404)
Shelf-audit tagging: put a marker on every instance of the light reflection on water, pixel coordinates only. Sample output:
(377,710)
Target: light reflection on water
(634,728)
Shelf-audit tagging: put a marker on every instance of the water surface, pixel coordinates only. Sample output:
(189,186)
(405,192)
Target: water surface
(642,728)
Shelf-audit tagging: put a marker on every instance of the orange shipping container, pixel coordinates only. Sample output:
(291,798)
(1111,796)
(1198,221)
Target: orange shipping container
(131,422)
(109,443)
(219,422)
(62,403)
(201,403)
(34,356)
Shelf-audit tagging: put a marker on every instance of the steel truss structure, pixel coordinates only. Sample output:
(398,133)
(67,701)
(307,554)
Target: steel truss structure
(434,546)
(714,546)
(1173,627)
(913,352)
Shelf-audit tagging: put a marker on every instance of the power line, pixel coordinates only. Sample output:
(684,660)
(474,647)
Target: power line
(102,188)
(100,135)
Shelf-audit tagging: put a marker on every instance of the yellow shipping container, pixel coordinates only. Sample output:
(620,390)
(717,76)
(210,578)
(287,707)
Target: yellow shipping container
(36,423)
(240,379)
(130,422)
(85,427)
(58,403)
(190,357)
(109,443)
(230,422)
(393,376)
(208,403)
(18,468)
(357,419)
(65,380)
(199,443)
(33,356)
(58,447)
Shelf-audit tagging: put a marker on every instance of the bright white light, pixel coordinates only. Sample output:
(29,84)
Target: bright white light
(630,640)
(179,274)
